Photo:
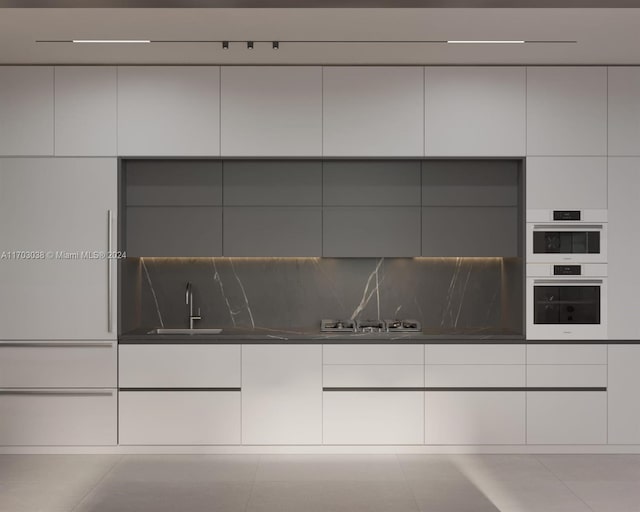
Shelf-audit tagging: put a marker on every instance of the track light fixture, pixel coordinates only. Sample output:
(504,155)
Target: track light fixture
(225,45)
(249,45)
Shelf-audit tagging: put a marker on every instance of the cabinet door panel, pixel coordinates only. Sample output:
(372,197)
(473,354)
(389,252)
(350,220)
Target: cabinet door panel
(86,107)
(61,365)
(565,183)
(472,375)
(272,231)
(366,232)
(373,111)
(624,111)
(371,183)
(624,382)
(470,231)
(566,110)
(623,249)
(58,206)
(271,111)
(174,231)
(281,394)
(566,417)
(179,417)
(26,110)
(373,417)
(373,375)
(169,110)
(373,354)
(272,183)
(475,111)
(51,417)
(475,417)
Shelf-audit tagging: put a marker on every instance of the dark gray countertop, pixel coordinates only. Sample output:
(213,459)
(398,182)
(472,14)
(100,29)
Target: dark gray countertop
(260,335)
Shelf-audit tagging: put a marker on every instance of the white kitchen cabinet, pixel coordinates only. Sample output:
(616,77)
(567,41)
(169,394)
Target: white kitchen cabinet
(373,111)
(57,207)
(281,394)
(85,110)
(475,111)
(373,354)
(623,249)
(373,375)
(567,353)
(26,110)
(624,383)
(373,417)
(474,417)
(624,111)
(179,417)
(169,111)
(567,375)
(181,365)
(475,375)
(50,417)
(58,364)
(271,111)
(476,354)
(566,183)
(566,417)
(566,111)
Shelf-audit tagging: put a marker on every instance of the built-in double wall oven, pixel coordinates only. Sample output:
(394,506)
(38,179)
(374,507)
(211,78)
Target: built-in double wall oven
(567,274)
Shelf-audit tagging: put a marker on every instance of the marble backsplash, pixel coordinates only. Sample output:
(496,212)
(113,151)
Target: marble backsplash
(296,293)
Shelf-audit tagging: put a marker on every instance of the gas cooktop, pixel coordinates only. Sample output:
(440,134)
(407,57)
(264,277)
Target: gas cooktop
(370,326)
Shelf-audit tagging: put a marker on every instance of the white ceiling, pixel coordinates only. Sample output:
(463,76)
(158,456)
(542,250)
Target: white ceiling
(604,36)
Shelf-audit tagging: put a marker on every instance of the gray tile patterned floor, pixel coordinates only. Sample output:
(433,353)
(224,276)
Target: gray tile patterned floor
(323,483)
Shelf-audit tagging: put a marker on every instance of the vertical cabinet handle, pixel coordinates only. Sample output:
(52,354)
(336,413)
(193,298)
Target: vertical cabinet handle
(109,277)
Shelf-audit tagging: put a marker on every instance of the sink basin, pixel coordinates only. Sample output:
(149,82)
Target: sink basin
(185,331)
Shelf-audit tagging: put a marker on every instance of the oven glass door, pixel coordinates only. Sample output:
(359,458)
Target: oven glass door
(566,242)
(567,304)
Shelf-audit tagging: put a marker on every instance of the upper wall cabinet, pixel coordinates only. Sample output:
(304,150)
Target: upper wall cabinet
(26,110)
(373,111)
(169,111)
(271,111)
(475,111)
(566,183)
(624,111)
(566,111)
(85,107)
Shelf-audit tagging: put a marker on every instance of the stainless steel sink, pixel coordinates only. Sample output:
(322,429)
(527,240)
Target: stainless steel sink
(185,331)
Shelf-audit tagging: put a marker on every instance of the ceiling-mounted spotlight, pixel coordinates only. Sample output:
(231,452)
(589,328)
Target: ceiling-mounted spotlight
(249,45)
(275,45)
(225,45)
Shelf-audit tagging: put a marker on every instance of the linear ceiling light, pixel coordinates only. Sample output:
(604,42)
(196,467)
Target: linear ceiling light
(111,41)
(486,42)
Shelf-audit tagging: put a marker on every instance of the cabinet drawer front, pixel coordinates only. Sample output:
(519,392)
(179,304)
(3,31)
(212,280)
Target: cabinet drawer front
(373,417)
(177,417)
(58,364)
(373,354)
(475,417)
(566,354)
(467,375)
(373,375)
(179,366)
(567,375)
(51,417)
(475,354)
(566,417)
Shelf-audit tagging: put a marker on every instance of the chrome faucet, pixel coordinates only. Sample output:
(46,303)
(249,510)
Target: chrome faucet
(189,301)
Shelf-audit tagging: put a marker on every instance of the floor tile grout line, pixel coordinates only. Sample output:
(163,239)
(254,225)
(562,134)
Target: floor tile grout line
(408,484)
(253,483)
(537,457)
(100,480)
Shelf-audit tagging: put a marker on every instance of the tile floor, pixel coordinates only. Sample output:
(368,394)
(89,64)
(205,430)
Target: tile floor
(327,483)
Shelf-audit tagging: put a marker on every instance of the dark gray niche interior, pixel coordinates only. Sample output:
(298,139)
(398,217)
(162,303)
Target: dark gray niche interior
(445,294)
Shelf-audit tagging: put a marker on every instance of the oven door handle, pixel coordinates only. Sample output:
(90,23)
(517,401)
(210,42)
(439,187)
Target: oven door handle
(568,281)
(567,227)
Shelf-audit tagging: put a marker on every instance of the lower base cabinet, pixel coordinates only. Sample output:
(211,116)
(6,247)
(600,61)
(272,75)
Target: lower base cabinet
(624,383)
(373,417)
(179,417)
(475,417)
(567,417)
(58,417)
